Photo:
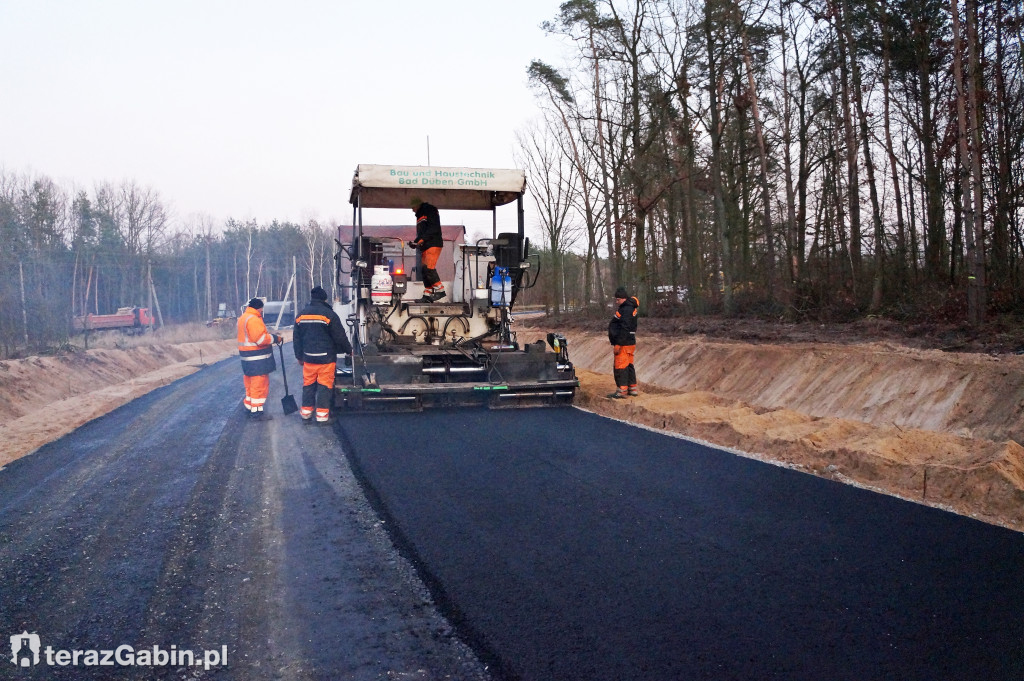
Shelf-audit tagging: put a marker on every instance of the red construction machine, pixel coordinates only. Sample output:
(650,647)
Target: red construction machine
(130,320)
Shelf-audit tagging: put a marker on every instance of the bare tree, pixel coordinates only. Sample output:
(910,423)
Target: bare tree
(555,182)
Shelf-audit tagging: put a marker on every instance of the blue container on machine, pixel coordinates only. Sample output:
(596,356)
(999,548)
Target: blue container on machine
(501,288)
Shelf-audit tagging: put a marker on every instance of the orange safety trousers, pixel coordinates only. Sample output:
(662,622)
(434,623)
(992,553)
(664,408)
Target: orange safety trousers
(429,259)
(317,382)
(256,390)
(624,355)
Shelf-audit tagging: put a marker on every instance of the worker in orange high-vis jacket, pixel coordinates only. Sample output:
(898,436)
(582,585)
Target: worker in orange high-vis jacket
(430,241)
(255,347)
(622,336)
(318,340)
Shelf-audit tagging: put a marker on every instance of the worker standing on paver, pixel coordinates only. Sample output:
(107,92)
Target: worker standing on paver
(255,347)
(318,340)
(430,242)
(622,336)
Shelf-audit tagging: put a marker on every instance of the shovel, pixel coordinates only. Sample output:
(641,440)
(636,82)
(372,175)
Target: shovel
(288,401)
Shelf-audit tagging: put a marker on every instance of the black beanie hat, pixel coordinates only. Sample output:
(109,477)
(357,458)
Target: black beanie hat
(620,292)
(318,293)
(256,304)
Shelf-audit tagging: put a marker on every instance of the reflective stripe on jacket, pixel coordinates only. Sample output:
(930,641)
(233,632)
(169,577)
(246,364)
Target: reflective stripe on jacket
(319,337)
(622,327)
(252,332)
(255,344)
(428,227)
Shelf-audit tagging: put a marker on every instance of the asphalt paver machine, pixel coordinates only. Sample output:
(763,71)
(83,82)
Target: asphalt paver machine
(460,350)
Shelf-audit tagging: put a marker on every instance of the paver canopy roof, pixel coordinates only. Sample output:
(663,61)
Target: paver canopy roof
(379,186)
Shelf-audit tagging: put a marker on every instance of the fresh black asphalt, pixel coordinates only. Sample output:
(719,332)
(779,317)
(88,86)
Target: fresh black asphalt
(569,546)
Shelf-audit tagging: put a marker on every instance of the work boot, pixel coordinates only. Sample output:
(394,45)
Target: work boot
(634,391)
(307,421)
(437,295)
(619,394)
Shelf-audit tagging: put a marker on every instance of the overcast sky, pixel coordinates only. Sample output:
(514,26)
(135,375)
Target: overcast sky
(256,109)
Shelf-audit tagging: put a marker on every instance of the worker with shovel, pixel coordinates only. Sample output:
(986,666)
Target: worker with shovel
(318,340)
(255,347)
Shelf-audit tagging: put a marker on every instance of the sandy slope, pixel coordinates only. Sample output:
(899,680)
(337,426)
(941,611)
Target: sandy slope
(44,398)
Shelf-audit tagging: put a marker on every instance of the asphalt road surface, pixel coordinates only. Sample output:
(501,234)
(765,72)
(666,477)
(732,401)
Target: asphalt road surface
(569,546)
(560,544)
(175,522)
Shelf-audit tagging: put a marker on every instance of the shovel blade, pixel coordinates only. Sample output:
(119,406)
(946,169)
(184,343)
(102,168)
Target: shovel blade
(288,404)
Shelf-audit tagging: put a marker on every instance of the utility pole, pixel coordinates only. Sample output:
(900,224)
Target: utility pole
(209,293)
(280,313)
(295,291)
(24,314)
(149,300)
(156,302)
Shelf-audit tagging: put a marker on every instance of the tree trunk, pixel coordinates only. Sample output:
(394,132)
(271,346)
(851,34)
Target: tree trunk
(792,236)
(935,228)
(640,212)
(803,178)
(901,238)
(766,195)
(1000,225)
(869,165)
(976,246)
(695,272)
(602,141)
(853,181)
(714,92)
(845,265)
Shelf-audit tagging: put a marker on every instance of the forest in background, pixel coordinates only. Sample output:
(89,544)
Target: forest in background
(68,252)
(797,159)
